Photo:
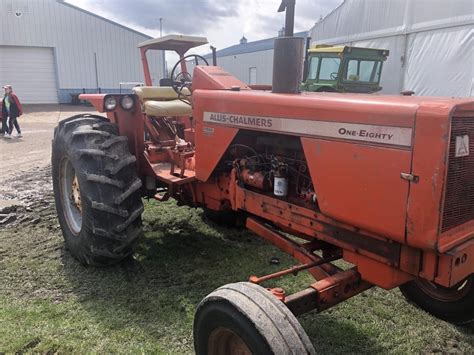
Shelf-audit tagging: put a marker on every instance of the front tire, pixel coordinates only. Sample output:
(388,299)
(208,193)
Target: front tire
(454,304)
(244,318)
(96,190)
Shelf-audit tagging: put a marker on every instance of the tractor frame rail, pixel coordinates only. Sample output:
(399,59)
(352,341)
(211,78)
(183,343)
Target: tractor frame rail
(333,284)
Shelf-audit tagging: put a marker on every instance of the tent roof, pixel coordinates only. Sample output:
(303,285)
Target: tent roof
(358,20)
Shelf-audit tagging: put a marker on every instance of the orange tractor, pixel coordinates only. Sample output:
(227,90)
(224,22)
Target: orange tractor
(385,183)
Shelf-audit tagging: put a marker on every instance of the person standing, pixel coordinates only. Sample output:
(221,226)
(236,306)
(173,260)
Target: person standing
(11,109)
(4,118)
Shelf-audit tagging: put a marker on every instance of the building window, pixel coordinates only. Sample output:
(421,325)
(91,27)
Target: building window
(252,75)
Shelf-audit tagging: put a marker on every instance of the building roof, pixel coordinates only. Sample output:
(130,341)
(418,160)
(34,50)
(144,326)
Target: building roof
(249,47)
(104,19)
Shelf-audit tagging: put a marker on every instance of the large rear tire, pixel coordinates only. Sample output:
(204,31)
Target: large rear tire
(96,190)
(244,318)
(454,304)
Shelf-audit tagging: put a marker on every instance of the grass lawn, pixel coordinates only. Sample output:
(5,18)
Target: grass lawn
(50,303)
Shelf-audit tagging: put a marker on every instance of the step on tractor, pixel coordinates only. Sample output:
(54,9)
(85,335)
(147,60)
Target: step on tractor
(343,69)
(385,183)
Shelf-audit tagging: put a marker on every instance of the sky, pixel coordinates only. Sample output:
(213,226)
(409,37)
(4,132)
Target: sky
(223,22)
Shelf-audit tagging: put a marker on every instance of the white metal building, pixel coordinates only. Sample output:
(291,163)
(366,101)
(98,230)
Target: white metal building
(431,42)
(251,62)
(50,49)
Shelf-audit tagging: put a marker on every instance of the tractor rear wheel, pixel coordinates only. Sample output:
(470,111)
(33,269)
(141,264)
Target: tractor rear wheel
(454,304)
(244,318)
(96,190)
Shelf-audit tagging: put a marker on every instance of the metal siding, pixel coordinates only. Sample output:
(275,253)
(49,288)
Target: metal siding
(238,65)
(76,35)
(31,72)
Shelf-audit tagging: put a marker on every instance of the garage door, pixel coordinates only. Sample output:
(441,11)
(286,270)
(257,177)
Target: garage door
(31,72)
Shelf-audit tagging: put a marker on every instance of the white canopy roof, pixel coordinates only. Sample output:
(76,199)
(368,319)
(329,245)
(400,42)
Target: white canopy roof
(178,43)
(356,20)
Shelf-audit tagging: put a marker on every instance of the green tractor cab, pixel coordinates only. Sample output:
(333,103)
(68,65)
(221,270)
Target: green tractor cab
(343,69)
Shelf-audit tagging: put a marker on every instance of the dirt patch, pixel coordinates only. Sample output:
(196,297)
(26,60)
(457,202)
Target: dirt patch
(25,181)
(33,150)
(28,200)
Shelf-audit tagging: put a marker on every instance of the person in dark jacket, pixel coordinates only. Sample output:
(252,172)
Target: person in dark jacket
(4,118)
(11,110)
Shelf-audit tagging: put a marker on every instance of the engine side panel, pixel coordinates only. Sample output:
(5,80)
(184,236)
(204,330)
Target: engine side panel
(352,186)
(211,143)
(429,164)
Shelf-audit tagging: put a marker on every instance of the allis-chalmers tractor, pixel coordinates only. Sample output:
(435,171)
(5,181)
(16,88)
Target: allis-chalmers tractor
(385,183)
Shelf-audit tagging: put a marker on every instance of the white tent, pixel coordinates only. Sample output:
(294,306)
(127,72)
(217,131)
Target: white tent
(430,41)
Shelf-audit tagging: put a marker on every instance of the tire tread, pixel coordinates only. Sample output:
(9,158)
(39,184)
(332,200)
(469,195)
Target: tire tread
(109,178)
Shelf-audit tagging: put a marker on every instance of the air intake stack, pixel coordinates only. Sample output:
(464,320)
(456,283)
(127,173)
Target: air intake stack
(288,55)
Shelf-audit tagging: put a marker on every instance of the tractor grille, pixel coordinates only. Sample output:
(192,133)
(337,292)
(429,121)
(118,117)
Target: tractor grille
(459,196)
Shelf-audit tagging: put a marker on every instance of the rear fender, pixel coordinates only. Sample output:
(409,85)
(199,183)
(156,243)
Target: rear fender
(96,100)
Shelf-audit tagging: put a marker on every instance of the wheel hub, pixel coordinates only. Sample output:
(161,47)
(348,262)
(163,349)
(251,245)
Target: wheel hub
(76,194)
(225,341)
(446,294)
(71,197)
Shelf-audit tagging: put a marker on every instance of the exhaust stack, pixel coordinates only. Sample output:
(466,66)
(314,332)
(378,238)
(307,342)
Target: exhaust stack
(288,55)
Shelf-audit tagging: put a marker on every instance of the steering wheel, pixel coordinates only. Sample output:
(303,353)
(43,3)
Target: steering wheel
(182,79)
(333,76)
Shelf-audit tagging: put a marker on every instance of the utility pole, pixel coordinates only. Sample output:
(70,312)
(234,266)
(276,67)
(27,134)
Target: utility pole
(163,58)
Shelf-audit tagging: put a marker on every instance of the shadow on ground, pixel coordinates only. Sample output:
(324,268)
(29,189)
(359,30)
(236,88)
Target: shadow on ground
(178,263)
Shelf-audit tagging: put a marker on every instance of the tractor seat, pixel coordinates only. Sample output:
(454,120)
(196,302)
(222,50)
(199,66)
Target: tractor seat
(160,101)
(167,108)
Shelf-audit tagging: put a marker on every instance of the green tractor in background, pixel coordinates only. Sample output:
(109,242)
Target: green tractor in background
(343,69)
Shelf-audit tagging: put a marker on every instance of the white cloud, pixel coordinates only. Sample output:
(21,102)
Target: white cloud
(223,22)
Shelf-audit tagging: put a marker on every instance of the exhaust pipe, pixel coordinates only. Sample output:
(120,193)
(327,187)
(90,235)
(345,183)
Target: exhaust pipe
(288,55)
(214,56)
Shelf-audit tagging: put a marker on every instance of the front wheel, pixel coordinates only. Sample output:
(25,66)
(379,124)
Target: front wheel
(244,318)
(454,304)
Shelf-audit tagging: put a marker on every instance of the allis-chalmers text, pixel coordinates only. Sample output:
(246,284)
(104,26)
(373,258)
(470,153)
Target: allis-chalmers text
(241,120)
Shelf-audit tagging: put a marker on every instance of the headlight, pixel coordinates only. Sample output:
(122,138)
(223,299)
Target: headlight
(126,102)
(110,103)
